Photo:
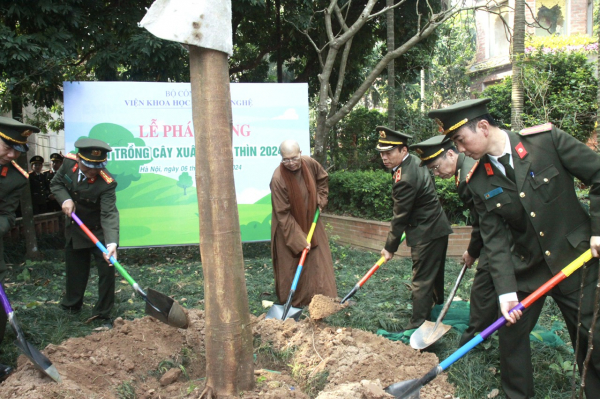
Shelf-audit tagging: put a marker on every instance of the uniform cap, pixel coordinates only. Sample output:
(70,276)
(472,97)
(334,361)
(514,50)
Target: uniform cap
(15,133)
(36,159)
(92,152)
(451,118)
(55,156)
(389,138)
(432,148)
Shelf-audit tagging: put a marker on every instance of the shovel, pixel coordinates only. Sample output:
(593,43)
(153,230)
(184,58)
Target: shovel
(367,276)
(40,361)
(288,311)
(430,332)
(410,389)
(158,305)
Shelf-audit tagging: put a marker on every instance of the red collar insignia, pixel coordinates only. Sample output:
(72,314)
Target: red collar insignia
(74,168)
(521,151)
(488,169)
(398,175)
(92,180)
(4,171)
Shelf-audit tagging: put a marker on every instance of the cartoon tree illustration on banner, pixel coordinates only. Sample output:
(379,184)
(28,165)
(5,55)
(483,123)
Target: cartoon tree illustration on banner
(125,161)
(185,181)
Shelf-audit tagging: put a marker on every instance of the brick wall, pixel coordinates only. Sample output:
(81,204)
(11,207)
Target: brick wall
(371,235)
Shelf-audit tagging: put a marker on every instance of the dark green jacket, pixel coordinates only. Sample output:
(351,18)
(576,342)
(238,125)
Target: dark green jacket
(463,167)
(417,209)
(544,217)
(12,180)
(95,204)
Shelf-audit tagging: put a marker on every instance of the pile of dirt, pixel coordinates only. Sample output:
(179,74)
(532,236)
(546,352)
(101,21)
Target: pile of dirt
(322,306)
(136,356)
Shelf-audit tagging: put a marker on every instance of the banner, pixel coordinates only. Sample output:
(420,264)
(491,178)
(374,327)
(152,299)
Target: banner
(149,126)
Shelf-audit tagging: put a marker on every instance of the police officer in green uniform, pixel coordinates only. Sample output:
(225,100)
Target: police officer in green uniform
(38,185)
(82,185)
(56,160)
(442,158)
(417,211)
(13,142)
(525,180)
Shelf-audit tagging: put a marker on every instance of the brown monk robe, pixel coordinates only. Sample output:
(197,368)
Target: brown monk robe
(295,196)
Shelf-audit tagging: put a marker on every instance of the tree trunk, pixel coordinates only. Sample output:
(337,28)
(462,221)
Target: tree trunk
(31,247)
(228,334)
(518,49)
(278,41)
(390,67)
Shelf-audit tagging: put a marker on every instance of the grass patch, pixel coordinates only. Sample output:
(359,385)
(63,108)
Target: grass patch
(35,288)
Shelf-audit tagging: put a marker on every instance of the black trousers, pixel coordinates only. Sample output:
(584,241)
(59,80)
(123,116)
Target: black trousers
(428,279)
(515,349)
(483,305)
(78,263)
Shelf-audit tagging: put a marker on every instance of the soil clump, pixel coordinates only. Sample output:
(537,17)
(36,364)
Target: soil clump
(146,359)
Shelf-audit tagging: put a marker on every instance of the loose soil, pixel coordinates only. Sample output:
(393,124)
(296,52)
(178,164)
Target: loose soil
(322,306)
(143,355)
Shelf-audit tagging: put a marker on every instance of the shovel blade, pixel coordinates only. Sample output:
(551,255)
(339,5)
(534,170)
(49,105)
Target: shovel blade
(276,312)
(40,361)
(427,334)
(410,389)
(169,310)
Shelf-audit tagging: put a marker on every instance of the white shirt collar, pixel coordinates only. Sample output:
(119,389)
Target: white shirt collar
(507,150)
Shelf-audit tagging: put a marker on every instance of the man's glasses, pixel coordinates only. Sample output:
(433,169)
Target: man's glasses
(286,161)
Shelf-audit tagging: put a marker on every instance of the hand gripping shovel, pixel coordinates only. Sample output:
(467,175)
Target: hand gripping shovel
(367,276)
(287,311)
(158,305)
(40,361)
(410,389)
(430,332)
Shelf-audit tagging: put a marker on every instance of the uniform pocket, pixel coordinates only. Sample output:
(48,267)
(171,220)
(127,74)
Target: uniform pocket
(546,185)
(497,202)
(579,234)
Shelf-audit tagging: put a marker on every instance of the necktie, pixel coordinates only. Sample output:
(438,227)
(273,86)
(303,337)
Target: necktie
(81,177)
(508,170)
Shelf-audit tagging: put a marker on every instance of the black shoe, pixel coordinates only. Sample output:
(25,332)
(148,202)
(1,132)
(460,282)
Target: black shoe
(70,309)
(5,371)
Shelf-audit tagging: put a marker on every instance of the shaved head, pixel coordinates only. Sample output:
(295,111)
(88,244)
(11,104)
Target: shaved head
(289,148)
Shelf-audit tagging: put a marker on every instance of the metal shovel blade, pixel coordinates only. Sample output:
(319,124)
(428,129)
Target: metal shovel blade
(427,334)
(165,309)
(40,361)
(276,312)
(405,389)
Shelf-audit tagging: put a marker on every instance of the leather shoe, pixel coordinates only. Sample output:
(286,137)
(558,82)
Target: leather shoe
(5,371)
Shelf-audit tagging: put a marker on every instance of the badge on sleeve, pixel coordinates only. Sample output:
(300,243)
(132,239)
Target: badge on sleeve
(493,193)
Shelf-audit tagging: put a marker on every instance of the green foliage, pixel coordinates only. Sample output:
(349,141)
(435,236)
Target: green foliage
(126,391)
(455,210)
(353,141)
(559,87)
(365,194)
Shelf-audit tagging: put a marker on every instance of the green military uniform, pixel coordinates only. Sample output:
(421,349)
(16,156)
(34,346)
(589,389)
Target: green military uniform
(417,211)
(38,185)
(549,229)
(13,135)
(56,158)
(95,204)
(483,304)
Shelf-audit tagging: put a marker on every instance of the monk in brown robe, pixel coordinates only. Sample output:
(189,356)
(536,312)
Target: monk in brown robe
(298,186)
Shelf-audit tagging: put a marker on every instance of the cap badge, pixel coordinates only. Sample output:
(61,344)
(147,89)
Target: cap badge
(96,153)
(440,125)
(27,133)
(382,134)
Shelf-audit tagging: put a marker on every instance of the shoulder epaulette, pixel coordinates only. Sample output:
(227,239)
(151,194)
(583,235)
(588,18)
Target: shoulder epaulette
(106,177)
(546,127)
(20,169)
(471,172)
(71,156)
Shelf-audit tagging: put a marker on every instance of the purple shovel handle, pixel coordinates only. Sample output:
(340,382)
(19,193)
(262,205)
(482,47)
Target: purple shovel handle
(4,299)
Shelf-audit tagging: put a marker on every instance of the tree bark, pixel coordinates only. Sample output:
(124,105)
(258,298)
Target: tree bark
(278,41)
(228,334)
(518,50)
(390,68)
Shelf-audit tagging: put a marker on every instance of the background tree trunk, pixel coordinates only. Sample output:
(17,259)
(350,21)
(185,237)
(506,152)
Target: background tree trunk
(518,50)
(390,67)
(228,334)
(31,246)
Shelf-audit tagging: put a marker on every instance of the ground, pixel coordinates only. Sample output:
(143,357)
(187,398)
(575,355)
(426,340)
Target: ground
(144,358)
